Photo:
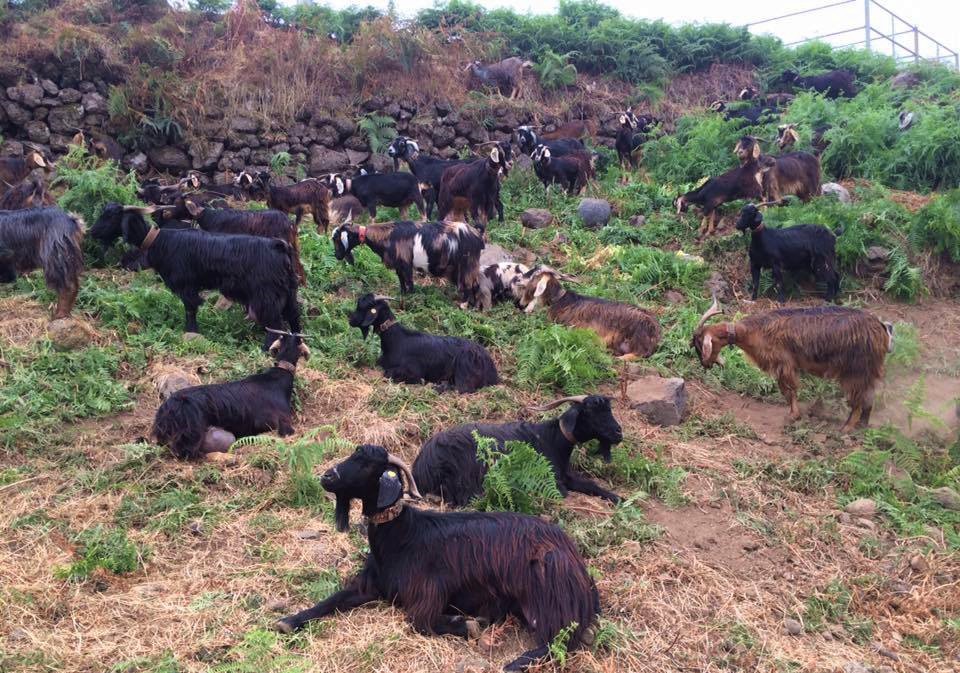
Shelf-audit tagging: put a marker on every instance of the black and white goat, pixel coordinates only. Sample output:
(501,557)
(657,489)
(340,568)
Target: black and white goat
(407,356)
(450,571)
(528,139)
(447,465)
(803,247)
(187,422)
(570,171)
(503,281)
(395,190)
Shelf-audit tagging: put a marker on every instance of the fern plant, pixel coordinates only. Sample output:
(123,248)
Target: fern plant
(569,359)
(518,478)
(379,131)
(92,183)
(280,161)
(904,281)
(558,646)
(555,70)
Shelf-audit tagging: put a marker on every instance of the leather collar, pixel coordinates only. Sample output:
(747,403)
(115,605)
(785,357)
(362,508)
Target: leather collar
(760,227)
(362,232)
(149,239)
(287,366)
(567,434)
(385,325)
(387,515)
(731,333)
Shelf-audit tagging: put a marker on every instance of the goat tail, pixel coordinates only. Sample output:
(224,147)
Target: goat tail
(61,256)
(181,426)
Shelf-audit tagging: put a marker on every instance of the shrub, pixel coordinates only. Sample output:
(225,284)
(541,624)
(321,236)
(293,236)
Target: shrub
(379,131)
(555,70)
(517,480)
(567,358)
(937,225)
(92,183)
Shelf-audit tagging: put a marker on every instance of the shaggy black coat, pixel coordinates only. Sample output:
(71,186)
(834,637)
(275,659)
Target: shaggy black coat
(477,184)
(447,465)
(833,84)
(445,568)
(527,141)
(250,406)
(408,356)
(47,239)
(259,273)
(429,170)
(570,171)
(395,190)
(807,248)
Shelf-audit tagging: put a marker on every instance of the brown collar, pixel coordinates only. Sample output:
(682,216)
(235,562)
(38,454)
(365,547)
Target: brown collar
(387,515)
(362,232)
(385,325)
(149,239)
(567,434)
(731,333)
(760,227)
(288,366)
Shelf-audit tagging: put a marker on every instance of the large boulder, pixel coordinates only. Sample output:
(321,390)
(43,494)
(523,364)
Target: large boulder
(536,218)
(661,401)
(595,213)
(168,158)
(29,95)
(443,136)
(906,80)
(946,497)
(94,103)
(323,160)
(49,87)
(65,119)
(16,114)
(38,132)
(205,156)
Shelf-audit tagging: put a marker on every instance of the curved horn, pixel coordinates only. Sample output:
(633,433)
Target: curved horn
(382,297)
(142,210)
(401,464)
(573,399)
(715,309)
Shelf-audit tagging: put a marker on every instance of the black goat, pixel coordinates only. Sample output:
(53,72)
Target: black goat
(804,247)
(447,570)
(477,184)
(447,465)
(395,190)
(407,356)
(832,84)
(742,182)
(151,191)
(47,239)
(250,406)
(449,250)
(429,170)
(259,273)
(527,141)
(569,171)
(754,114)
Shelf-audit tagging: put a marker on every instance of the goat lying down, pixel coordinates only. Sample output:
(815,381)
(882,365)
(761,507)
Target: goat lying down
(448,467)
(251,406)
(451,571)
(832,342)
(408,356)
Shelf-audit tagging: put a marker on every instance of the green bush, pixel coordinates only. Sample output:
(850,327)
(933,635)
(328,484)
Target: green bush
(937,225)
(566,358)
(555,70)
(92,183)
(518,478)
(378,130)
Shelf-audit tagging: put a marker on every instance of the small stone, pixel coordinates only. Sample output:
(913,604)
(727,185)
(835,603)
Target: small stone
(827,635)
(277,605)
(595,213)
(845,519)
(307,534)
(855,667)
(536,218)
(884,651)
(218,440)
(837,190)
(638,221)
(918,563)
(192,336)
(673,297)
(196,527)
(793,627)
(169,158)
(18,634)
(752,545)
(899,586)
(69,334)
(661,401)
(472,665)
(862,507)
(866,523)
(946,497)
(717,285)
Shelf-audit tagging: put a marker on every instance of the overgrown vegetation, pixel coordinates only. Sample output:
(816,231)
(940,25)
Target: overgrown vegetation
(518,479)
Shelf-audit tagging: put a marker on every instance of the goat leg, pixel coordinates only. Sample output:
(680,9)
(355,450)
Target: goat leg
(582,484)
(528,659)
(341,601)
(66,298)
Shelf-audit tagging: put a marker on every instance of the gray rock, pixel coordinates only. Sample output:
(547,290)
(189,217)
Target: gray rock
(494,254)
(50,87)
(946,497)
(443,136)
(595,213)
(40,113)
(38,132)
(11,148)
(204,156)
(65,119)
(87,87)
(60,142)
(307,534)
(474,665)
(834,189)
(169,382)
(901,479)
(138,162)
(69,96)
(638,221)
(51,102)
(168,158)
(443,108)
(94,103)
(16,114)
(536,218)
(323,160)
(793,627)
(278,605)
(29,95)
(906,80)
(877,255)
(855,667)
(67,334)
(862,507)
(918,563)
(244,125)
(661,401)
(218,440)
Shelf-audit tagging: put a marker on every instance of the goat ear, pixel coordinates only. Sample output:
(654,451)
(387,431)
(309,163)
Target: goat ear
(756,150)
(541,287)
(304,351)
(338,185)
(495,155)
(274,347)
(707,345)
(390,489)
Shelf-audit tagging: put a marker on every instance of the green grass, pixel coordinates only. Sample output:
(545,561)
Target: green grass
(106,548)
(569,359)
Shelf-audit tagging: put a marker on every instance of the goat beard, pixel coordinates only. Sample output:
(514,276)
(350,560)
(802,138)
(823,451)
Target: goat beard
(341,514)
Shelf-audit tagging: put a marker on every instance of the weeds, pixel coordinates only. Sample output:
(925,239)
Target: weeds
(562,357)
(100,547)
(518,479)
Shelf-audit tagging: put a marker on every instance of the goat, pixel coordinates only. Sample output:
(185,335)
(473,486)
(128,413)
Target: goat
(502,281)
(628,331)
(478,183)
(344,210)
(742,182)
(804,247)
(263,223)
(307,195)
(831,342)
(152,192)
(429,170)
(14,169)
(504,75)
(753,114)
(395,190)
(628,141)
(788,136)
(832,84)
(570,171)
(407,356)
(528,139)
(774,100)
(796,173)
(251,406)
(259,273)
(27,194)
(447,465)
(451,570)
(47,239)
(448,250)
(577,129)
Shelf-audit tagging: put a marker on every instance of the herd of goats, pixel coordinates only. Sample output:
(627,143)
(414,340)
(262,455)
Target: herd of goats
(481,567)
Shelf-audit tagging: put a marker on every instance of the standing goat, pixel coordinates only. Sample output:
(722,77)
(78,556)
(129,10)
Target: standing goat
(628,331)
(47,239)
(308,195)
(570,171)
(394,190)
(796,173)
(449,250)
(447,465)
(804,247)
(631,135)
(451,570)
(407,356)
(528,139)
(831,342)
(506,75)
(15,169)
(743,182)
(251,406)
(832,84)
(478,184)
(429,170)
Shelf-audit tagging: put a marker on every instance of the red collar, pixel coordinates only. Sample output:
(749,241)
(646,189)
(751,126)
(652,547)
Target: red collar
(362,231)
(149,239)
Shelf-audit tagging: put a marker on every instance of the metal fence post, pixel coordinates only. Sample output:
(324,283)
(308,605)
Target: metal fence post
(916,45)
(866,23)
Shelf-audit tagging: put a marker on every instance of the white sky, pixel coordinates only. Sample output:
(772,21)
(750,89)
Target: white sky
(938,18)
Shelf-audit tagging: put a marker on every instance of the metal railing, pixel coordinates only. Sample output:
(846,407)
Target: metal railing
(919,46)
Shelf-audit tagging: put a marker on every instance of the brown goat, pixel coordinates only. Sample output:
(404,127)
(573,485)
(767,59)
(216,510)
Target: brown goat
(796,173)
(28,194)
(578,128)
(628,331)
(832,342)
(14,169)
(308,195)
(344,209)
(503,75)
